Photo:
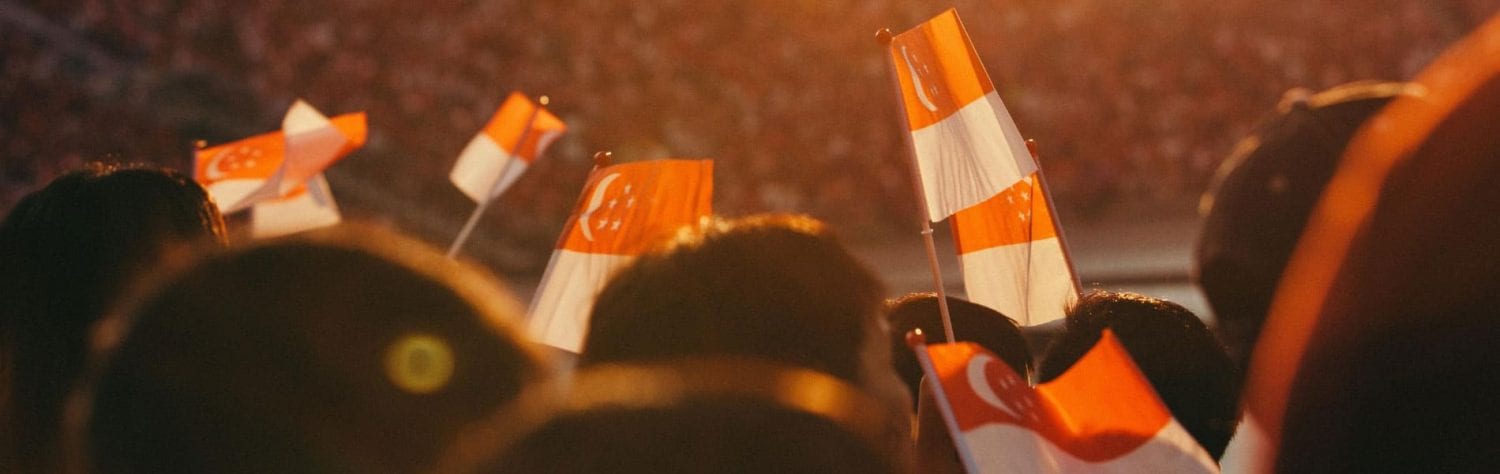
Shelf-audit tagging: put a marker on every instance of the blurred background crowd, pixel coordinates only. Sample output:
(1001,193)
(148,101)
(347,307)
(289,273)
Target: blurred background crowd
(1132,101)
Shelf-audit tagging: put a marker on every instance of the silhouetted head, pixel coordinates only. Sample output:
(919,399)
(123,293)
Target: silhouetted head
(972,322)
(1260,200)
(66,252)
(776,287)
(693,415)
(348,350)
(1386,338)
(1174,350)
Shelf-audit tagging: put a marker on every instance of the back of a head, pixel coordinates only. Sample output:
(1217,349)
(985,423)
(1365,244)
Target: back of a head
(1260,201)
(347,350)
(777,287)
(723,436)
(1174,350)
(972,322)
(66,252)
(645,419)
(1392,301)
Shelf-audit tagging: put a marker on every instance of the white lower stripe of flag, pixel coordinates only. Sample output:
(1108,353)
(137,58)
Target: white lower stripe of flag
(310,210)
(970,156)
(484,170)
(1011,448)
(1250,448)
(991,279)
(229,192)
(559,314)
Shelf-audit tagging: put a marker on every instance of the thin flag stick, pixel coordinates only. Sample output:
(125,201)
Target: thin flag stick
(463,235)
(918,345)
(197,146)
(884,37)
(1062,241)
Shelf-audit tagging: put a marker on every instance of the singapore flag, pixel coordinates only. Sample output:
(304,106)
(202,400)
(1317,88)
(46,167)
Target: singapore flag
(1100,416)
(626,209)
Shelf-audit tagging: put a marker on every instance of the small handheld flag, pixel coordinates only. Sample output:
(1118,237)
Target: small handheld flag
(1100,416)
(624,210)
(518,133)
(966,145)
(274,165)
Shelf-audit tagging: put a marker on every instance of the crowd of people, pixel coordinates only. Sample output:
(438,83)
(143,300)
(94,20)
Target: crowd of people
(1348,252)
(738,345)
(1131,101)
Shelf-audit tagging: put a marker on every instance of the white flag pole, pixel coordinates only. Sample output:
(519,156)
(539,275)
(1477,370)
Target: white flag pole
(1062,241)
(918,345)
(463,235)
(884,37)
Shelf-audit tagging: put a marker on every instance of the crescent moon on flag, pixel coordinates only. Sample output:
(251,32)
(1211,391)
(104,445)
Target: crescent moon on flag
(981,385)
(594,202)
(211,170)
(916,82)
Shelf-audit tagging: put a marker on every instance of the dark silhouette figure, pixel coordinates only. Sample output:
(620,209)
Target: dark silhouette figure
(66,252)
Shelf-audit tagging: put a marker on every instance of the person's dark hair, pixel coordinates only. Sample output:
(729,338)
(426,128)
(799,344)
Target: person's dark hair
(344,350)
(1261,197)
(972,322)
(777,287)
(693,415)
(1174,350)
(1387,341)
(66,252)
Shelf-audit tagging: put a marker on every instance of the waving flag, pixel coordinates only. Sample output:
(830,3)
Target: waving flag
(1100,416)
(493,160)
(966,145)
(1012,256)
(309,208)
(625,210)
(275,165)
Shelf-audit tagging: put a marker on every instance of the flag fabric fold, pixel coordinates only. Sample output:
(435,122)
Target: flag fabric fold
(308,208)
(1100,416)
(624,210)
(1012,255)
(496,156)
(275,165)
(966,145)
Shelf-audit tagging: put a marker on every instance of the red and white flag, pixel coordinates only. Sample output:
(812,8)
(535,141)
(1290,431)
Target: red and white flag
(1012,255)
(493,161)
(275,165)
(967,146)
(309,208)
(1100,416)
(625,210)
